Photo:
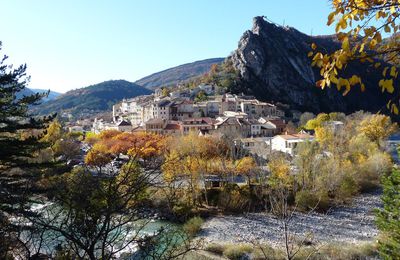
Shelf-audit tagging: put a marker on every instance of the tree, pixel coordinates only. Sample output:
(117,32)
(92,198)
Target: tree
(20,135)
(194,157)
(317,122)
(97,217)
(360,26)
(165,91)
(247,167)
(305,161)
(280,171)
(94,217)
(388,218)
(53,133)
(201,96)
(377,127)
(305,117)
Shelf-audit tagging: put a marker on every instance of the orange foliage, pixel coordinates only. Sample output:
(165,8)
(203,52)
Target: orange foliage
(137,145)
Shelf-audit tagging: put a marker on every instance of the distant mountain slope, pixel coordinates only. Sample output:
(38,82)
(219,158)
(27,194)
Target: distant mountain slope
(30,91)
(24,92)
(178,74)
(92,99)
(52,95)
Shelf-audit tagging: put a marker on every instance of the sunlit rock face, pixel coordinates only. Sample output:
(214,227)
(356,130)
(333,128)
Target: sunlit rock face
(273,63)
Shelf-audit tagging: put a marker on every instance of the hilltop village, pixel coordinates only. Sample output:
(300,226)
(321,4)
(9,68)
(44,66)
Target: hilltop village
(256,126)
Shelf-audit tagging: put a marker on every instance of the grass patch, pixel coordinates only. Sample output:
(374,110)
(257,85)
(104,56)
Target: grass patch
(262,252)
(215,248)
(332,251)
(237,251)
(335,251)
(193,226)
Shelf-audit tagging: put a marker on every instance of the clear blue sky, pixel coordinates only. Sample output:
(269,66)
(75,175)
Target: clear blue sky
(76,43)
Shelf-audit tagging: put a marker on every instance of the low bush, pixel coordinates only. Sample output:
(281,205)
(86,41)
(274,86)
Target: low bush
(234,199)
(182,211)
(215,248)
(340,251)
(193,226)
(263,252)
(307,200)
(238,251)
(348,188)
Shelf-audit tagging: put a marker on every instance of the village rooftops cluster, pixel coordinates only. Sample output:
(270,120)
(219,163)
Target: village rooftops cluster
(178,113)
(254,125)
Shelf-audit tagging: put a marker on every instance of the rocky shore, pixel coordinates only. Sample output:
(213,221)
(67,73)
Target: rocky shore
(352,223)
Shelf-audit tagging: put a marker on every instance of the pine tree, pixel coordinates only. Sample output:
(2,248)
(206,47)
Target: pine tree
(388,218)
(19,143)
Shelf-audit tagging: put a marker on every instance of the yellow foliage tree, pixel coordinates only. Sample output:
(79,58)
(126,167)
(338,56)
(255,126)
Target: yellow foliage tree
(53,133)
(194,157)
(377,127)
(246,166)
(324,135)
(360,26)
(280,171)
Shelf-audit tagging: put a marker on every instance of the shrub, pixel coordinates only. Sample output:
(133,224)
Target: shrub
(263,252)
(388,217)
(215,248)
(193,226)
(307,200)
(182,211)
(234,198)
(347,188)
(237,251)
(341,251)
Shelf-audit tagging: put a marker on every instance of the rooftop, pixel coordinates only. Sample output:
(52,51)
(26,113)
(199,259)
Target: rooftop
(295,136)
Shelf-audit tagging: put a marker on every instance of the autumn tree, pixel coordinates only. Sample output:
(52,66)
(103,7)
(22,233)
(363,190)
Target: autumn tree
(377,127)
(342,161)
(110,144)
(247,167)
(305,161)
(361,27)
(194,157)
(97,216)
(54,132)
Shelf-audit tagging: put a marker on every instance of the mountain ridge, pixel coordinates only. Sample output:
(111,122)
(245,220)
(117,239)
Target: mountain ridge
(178,74)
(93,99)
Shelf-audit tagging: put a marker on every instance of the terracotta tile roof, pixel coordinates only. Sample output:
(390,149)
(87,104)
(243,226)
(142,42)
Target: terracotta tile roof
(295,136)
(172,126)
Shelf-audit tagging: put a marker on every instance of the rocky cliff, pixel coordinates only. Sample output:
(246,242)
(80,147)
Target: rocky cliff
(273,64)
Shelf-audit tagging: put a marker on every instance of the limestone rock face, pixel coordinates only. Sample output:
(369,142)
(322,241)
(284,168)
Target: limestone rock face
(273,64)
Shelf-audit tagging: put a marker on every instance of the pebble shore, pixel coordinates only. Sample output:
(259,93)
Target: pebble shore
(352,223)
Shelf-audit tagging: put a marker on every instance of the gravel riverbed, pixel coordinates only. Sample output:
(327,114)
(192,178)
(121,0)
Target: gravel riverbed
(352,223)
